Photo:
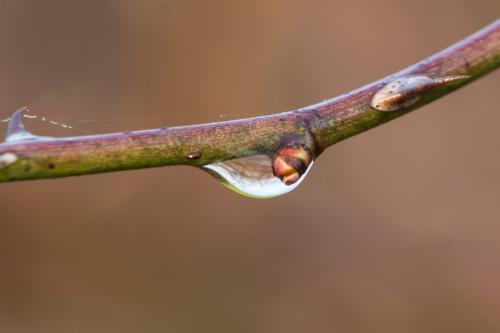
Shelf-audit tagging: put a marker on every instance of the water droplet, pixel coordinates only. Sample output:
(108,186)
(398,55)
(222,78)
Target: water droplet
(406,91)
(252,176)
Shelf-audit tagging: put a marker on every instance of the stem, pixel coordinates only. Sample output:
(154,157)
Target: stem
(317,127)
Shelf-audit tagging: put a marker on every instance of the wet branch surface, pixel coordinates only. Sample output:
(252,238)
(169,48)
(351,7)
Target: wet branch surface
(305,132)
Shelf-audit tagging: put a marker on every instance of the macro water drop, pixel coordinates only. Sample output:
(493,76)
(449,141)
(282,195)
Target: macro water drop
(253,176)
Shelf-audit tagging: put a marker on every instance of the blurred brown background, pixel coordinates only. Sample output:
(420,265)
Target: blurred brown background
(395,230)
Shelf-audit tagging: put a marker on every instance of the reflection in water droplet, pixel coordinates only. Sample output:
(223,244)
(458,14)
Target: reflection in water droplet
(252,176)
(290,163)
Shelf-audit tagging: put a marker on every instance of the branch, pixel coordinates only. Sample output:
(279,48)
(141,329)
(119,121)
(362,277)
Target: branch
(283,145)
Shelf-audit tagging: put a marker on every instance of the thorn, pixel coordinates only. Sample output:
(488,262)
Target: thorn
(16,126)
(406,91)
(16,131)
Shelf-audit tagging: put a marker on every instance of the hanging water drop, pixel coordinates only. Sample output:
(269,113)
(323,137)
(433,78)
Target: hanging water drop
(253,176)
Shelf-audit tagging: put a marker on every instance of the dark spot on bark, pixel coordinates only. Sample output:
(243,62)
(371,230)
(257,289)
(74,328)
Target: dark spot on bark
(467,64)
(138,140)
(194,156)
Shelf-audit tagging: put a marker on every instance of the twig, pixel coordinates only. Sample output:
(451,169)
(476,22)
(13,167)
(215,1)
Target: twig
(292,139)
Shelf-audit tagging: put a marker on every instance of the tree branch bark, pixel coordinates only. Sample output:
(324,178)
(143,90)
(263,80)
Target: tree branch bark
(24,156)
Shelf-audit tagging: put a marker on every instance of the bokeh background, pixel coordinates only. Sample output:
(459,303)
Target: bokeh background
(395,230)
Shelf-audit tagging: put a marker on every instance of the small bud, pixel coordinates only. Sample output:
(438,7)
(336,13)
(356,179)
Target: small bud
(7,159)
(290,163)
(405,91)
